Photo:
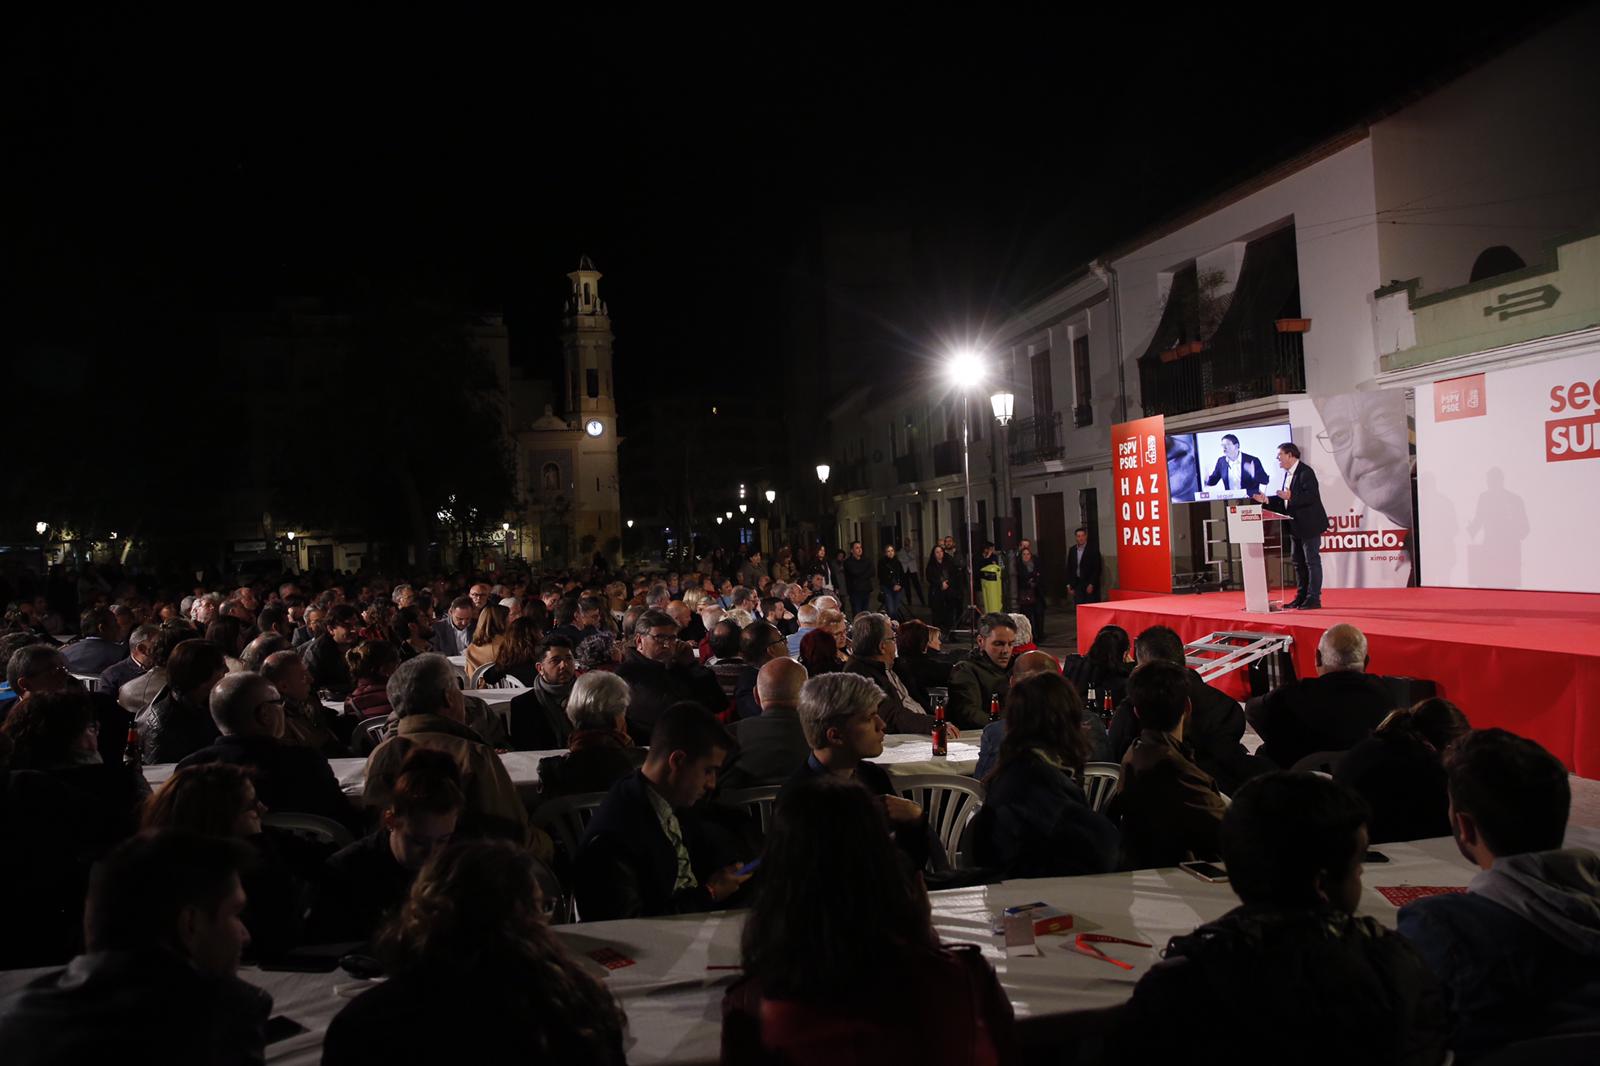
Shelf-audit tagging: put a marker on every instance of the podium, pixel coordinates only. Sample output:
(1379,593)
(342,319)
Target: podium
(1259,534)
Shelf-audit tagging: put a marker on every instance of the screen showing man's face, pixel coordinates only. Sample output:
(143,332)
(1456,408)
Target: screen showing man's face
(1230,448)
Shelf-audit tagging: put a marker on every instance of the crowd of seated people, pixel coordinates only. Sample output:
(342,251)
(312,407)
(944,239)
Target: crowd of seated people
(449,878)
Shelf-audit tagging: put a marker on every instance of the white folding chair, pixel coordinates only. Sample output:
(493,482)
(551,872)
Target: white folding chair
(90,682)
(313,827)
(760,800)
(951,803)
(506,682)
(1100,782)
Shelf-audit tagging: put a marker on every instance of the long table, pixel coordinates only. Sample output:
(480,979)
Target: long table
(682,965)
(903,753)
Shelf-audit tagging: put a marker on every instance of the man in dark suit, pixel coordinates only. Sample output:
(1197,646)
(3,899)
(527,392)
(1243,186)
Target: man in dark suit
(98,649)
(141,652)
(1214,725)
(1333,711)
(249,713)
(772,746)
(1083,567)
(660,672)
(1299,499)
(452,633)
(1236,470)
(646,853)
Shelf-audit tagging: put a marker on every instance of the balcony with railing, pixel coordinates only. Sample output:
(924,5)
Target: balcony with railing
(1214,346)
(1259,362)
(1033,440)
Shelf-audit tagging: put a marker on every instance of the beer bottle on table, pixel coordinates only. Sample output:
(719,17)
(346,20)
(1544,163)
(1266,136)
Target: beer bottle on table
(132,757)
(1091,698)
(1110,711)
(939,732)
(994,707)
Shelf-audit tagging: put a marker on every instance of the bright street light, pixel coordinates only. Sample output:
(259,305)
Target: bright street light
(772,496)
(505,527)
(822,472)
(965,368)
(719,520)
(743,508)
(40,527)
(1003,404)
(729,514)
(630,523)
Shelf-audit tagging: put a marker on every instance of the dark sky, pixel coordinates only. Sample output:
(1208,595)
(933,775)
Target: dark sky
(167,172)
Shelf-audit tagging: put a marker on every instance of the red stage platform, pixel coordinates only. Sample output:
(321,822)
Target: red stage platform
(1524,661)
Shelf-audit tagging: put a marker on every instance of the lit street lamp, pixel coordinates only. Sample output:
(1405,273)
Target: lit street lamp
(1004,404)
(772,496)
(630,523)
(822,476)
(966,373)
(40,527)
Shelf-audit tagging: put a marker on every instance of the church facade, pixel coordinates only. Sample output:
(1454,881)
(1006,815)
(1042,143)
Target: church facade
(566,464)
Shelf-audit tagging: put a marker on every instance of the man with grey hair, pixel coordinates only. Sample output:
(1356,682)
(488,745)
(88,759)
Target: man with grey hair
(431,712)
(661,671)
(872,655)
(839,714)
(599,749)
(1332,712)
(289,778)
(306,721)
(141,651)
(808,621)
(658,597)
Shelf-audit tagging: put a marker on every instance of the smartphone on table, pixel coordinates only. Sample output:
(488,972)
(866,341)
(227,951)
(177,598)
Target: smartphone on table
(1212,873)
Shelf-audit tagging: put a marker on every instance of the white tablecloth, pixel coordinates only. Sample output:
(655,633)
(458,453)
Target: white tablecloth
(902,754)
(673,991)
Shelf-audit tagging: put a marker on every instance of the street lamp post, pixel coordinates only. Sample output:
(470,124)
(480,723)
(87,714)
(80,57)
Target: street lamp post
(966,371)
(1003,404)
(822,492)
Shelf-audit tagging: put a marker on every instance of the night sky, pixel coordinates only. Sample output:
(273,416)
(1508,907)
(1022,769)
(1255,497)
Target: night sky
(166,173)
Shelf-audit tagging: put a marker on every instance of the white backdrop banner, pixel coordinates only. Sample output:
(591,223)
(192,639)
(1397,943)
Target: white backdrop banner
(1508,477)
(1359,444)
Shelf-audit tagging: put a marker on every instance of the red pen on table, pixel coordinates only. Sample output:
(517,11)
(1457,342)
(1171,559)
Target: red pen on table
(1084,944)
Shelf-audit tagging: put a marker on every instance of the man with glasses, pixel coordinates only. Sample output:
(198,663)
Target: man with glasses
(760,642)
(289,777)
(660,672)
(480,595)
(41,668)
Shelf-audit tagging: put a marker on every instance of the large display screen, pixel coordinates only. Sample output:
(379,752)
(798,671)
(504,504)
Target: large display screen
(1224,464)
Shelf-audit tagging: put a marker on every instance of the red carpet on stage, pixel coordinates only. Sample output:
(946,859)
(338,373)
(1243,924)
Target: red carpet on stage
(1528,662)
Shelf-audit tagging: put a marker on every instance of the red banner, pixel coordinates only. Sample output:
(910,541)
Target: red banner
(1139,481)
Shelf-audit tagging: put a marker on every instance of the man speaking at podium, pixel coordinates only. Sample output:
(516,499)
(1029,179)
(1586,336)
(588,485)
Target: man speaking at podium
(1298,499)
(1237,471)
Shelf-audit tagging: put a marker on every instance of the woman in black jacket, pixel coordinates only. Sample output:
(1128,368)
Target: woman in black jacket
(1030,592)
(892,582)
(472,942)
(1399,771)
(942,595)
(1104,668)
(1036,820)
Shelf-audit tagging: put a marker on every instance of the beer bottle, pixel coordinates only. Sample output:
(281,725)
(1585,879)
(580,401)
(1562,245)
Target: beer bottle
(939,737)
(1091,697)
(1110,708)
(994,707)
(132,757)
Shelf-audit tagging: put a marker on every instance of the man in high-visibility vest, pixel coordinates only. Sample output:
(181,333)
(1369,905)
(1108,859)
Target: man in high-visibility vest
(990,572)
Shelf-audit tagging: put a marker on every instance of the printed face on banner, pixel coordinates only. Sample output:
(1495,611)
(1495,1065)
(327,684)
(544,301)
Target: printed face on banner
(1359,444)
(1139,480)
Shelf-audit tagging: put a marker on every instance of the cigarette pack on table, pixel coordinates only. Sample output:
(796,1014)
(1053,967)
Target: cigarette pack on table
(1046,919)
